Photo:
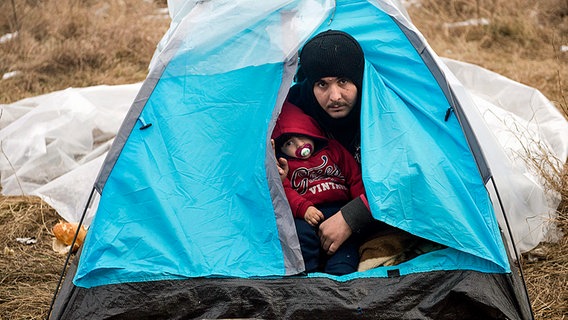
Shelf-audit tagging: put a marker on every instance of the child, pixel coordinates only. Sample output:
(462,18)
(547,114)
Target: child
(322,177)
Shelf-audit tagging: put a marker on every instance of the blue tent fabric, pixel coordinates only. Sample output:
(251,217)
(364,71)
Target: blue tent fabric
(420,175)
(188,196)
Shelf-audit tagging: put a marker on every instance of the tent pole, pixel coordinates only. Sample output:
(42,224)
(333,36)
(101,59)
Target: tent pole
(62,275)
(515,251)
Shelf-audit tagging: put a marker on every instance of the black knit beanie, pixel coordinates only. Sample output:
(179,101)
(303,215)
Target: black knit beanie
(332,54)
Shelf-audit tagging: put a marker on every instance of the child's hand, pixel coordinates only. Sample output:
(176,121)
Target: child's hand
(283,168)
(281,163)
(313,216)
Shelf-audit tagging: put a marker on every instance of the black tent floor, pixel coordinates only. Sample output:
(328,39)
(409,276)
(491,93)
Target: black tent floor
(432,295)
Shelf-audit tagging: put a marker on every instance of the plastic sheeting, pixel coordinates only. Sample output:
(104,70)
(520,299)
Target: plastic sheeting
(53,145)
(519,125)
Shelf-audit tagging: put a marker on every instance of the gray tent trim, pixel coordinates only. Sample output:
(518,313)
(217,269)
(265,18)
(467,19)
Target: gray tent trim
(128,125)
(456,107)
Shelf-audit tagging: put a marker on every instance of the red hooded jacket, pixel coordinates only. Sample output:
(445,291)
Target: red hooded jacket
(330,175)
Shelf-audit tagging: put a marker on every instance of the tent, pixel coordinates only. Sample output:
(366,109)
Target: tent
(41,158)
(192,221)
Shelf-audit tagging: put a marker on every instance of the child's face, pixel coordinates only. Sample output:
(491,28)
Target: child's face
(291,146)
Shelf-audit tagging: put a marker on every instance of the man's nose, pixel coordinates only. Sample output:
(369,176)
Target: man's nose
(334,93)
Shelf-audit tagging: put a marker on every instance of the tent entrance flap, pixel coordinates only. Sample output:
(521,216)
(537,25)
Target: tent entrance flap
(190,200)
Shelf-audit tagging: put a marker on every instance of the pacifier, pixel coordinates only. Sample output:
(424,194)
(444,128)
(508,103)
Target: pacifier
(304,151)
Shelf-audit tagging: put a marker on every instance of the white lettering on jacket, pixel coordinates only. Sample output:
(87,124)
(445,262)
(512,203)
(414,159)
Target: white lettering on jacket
(302,177)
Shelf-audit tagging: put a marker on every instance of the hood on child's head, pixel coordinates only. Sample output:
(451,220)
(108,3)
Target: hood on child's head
(293,120)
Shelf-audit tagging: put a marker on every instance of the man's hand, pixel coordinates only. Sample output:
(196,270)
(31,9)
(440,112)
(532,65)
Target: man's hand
(281,163)
(333,232)
(313,216)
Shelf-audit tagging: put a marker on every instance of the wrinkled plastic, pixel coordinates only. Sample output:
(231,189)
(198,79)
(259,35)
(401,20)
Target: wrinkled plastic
(519,126)
(54,144)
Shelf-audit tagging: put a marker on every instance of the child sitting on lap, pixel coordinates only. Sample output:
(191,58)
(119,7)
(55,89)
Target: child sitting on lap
(323,176)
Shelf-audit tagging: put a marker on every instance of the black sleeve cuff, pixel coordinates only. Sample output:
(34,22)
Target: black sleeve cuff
(357,216)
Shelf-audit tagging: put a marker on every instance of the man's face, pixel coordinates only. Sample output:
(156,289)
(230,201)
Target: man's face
(337,96)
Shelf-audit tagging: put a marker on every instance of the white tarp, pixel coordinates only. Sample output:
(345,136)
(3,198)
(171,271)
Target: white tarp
(53,145)
(516,125)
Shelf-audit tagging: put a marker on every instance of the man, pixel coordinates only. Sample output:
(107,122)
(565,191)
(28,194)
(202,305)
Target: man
(329,86)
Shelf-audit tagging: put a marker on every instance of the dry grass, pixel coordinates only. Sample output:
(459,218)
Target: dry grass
(547,279)
(29,271)
(76,44)
(79,43)
(522,41)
